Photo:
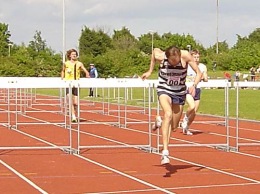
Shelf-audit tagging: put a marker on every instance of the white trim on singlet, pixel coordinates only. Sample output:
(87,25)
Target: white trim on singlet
(172,79)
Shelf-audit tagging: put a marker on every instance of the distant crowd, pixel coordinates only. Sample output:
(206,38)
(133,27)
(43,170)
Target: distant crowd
(252,75)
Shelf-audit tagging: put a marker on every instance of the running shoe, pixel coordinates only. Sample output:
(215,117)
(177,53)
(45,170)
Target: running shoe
(185,121)
(158,123)
(165,160)
(185,130)
(74,119)
(185,127)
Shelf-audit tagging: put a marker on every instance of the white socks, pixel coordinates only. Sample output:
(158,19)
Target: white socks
(186,118)
(165,152)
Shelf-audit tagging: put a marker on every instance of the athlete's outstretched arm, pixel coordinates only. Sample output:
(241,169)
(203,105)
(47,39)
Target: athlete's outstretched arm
(84,69)
(157,55)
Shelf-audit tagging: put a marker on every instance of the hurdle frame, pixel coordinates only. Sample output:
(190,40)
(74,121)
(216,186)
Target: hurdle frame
(218,83)
(17,83)
(118,84)
(238,85)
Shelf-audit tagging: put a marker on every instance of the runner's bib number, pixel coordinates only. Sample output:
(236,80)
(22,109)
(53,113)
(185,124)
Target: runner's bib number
(174,81)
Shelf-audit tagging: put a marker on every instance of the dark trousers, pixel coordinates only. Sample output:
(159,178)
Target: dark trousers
(91,92)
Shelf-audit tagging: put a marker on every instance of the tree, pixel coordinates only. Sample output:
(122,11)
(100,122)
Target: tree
(246,52)
(123,39)
(146,41)
(93,42)
(121,54)
(255,36)
(38,44)
(4,39)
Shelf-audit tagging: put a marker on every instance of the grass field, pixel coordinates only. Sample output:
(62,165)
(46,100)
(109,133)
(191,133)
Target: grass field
(212,100)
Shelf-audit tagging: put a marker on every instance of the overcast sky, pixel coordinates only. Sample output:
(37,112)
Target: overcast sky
(195,17)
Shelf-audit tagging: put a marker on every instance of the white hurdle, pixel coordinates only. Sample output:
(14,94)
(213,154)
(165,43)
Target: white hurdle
(19,102)
(238,86)
(223,83)
(118,84)
(26,99)
(19,98)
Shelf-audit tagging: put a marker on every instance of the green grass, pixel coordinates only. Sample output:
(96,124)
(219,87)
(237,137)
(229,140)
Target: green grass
(212,100)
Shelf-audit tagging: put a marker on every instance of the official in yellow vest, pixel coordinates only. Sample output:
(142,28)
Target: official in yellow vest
(71,71)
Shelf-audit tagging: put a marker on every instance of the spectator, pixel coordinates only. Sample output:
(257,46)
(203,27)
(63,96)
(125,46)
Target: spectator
(214,66)
(93,74)
(237,76)
(258,69)
(227,76)
(252,72)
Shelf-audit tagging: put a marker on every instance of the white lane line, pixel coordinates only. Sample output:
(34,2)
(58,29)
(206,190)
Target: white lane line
(210,168)
(23,177)
(125,175)
(220,171)
(215,186)
(246,154)
(128,191)
(179,188)
(216,170)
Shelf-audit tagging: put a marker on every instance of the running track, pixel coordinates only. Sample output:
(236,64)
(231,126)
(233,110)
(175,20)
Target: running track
(193,169)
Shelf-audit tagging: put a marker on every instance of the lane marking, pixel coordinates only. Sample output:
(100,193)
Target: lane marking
(30,173)
(211,186)
(5,174)
(125,175)
(130,171)
(23,177)
(227,169)
(106,172)
(216,170)
(227,173)
(178,188)
(185,161)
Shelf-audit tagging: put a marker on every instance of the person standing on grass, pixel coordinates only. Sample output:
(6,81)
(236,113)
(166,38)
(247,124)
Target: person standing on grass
(171,89)
(193,101)
(93,74)
(71,71)
(252,71)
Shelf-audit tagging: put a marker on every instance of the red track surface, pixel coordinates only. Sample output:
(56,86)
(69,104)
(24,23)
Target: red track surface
(193,169)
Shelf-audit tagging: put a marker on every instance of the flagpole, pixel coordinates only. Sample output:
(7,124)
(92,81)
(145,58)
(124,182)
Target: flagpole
(63,31)
(217,28)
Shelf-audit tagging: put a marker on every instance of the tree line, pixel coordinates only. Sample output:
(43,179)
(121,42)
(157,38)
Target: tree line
(120,54)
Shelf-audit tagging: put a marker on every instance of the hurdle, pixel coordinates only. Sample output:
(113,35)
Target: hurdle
(91,101)
(125,93)
(130,83)
(10,100)
(105,97)
(37,99)
(27,96)
(122,118)
(26,85)
(19,84)
(124,90)
(222,145)
(110,95)
(41,83)
(238,85)
(99,83)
